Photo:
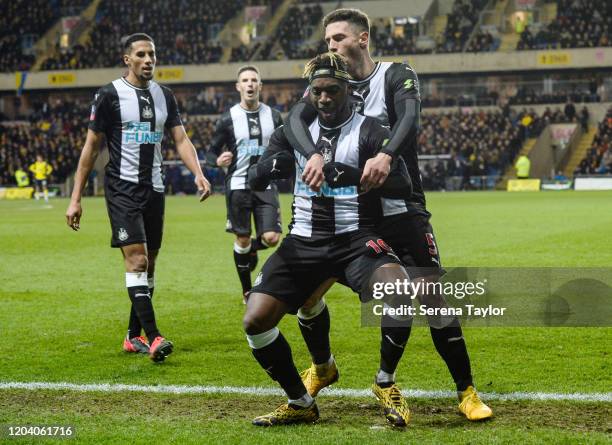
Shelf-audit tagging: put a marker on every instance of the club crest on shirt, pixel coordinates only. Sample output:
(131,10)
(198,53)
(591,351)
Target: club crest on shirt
(254,131)
(147,113)
(122,234)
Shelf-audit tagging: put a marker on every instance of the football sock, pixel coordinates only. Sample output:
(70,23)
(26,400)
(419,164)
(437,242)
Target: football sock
(273,354)
(384,379)
(134,326)
(138,290)
(304,402)
(392,343)
(314,326)
(242,260)
(258,244)
(46,195)
(450,344)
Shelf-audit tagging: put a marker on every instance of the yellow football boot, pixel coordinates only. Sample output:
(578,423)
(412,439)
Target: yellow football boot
(395,407)
(318,377)
(472,406)
(289,414)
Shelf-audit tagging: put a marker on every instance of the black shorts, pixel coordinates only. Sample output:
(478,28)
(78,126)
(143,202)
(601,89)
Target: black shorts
(40,183)
(136,213)
(300,265)
(412,239)
(264,206)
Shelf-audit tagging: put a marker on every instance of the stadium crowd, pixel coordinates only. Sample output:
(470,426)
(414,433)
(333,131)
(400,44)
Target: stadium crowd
(292,34)
(598,159)
(55,129)
(579,24)
(184,32)
(460,24)
(23,20)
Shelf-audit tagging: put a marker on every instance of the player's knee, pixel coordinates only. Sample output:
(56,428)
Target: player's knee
(271,238)
(137,262)
(255,323)
(243,240)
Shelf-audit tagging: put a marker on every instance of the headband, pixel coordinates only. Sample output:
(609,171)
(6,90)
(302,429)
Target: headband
(330,72)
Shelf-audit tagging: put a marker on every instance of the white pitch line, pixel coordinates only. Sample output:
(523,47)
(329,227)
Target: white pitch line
(261,391)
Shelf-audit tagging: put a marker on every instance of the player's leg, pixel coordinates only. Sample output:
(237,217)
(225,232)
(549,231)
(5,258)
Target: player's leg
(314,322)
(417,241)
(153,216)
(136,265)
(395,330)
(278,291)
(239,223)
(37,189)
(45,190)
(268,226)
(138,342)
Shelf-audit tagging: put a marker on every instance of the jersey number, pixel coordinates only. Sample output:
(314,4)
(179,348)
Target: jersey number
(379,246)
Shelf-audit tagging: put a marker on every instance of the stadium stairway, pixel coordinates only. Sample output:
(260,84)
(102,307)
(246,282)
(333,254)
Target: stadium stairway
(548,12)
(511,171)
(439,25)
(230,35)
(46,45)
(580,152)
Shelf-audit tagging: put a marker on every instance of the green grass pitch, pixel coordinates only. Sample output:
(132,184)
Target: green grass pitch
(63,313)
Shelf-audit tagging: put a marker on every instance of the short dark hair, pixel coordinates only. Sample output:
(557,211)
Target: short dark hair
(126,42)
(353,16)
(244,68)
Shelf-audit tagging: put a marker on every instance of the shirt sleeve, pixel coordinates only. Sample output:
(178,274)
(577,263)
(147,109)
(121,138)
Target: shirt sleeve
(100,115)
(374,137)
(174,116)
(402,84)
(220,137)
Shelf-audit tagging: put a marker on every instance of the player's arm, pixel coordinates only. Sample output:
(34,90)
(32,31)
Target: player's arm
(403,82)
(276,162)
(296,131)
(215,156)
(372,139)
(88,157)
(188,154)
(48,169)
(183,144)
(398,184)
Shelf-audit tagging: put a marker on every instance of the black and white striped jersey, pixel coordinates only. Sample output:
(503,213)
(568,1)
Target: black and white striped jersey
(341,210)
(133,120)
(246,134)
(375,96)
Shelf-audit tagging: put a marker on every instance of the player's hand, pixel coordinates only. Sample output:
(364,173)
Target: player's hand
(73,215)
(225,159)
(203,187)
(313,172)
(375,171)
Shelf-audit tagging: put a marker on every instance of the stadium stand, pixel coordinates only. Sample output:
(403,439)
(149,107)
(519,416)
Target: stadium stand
(56,129)
(579,24)
(599,157)
(22,22)
(181,31)
(292,33)
(460,25)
